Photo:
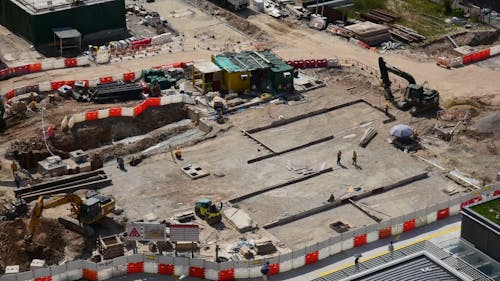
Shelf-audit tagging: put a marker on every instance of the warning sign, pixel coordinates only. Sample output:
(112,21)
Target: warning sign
(134,233)
(143,231)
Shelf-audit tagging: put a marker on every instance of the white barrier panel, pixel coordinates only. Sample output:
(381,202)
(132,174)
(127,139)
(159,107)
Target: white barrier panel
(335,248)
(211,270)
(59,273)
(81,61)
(93,83)
(44,86)
(241,272)
(47,64)
(432,217)
(299,259)
(117,77)
(120,266)
(397,229)
(495,50)
(105,270)
(286,263)
(371,236)
(74,270)
(41,272)
(181,266)
(454,210)
(59,63)
(25,276)
(420,221)
(127,111)
(151,267)
(254,272)
(103,113)
(347,243)
(323,249)
(8,277)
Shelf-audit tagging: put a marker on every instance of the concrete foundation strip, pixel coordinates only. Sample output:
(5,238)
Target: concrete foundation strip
(280,185)
(90,185)
(253,160)
(343,201)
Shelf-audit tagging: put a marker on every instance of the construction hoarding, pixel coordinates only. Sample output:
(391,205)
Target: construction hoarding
(144,231)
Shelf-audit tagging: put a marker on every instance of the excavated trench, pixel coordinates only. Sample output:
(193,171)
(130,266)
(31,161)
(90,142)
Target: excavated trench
(153,126)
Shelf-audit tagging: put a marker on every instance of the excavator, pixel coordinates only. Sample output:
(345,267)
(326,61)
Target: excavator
(416,98)
(88,211)
(208,211)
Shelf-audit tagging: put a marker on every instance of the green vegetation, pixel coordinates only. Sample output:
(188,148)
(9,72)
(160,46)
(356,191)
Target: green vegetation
(484,210)
(424,16)
(362,6)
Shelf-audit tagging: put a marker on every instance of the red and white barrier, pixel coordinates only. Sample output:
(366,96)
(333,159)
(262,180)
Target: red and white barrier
(205,269)
(128,111)
(47,64)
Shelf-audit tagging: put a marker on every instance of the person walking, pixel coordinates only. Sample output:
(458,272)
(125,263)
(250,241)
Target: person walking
(356,262)
(265,271)
(391,249)
(121,163)
(13,167)
(339,157)
(17,180)
(354,158)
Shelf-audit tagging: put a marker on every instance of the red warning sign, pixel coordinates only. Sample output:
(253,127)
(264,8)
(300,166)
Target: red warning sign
(134,233)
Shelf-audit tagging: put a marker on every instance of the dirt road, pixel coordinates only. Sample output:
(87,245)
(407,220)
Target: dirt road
(298,42)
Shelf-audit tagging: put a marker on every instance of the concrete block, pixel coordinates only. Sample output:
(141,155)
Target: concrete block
(36,263)
(194,171)
(79,156)
(85,167)
(11,269)
(239,219)
(53,166)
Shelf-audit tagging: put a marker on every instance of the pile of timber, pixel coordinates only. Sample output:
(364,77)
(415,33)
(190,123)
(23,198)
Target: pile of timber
(380,16)
(91,180)
(406,34)
(117,91)
(367,136)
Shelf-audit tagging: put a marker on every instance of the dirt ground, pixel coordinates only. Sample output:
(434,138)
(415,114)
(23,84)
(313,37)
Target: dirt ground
(157,186)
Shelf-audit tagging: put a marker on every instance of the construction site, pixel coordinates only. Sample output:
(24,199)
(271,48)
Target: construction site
(222,132)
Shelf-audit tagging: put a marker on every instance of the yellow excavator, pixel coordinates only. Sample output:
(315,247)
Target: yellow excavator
(88,211)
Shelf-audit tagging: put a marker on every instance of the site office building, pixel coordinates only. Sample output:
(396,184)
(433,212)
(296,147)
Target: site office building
(261,71)
(34,20)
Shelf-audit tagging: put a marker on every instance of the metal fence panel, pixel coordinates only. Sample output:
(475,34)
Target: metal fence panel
(135,258)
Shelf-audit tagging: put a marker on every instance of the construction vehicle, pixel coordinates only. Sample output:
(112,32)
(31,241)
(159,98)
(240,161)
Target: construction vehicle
(16,208)
(208,211)
(87,212)
(416,98)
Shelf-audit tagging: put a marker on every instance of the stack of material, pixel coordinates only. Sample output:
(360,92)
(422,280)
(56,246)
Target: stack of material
(406,34)
(265,247)
(246,252)
(380,16)
(110,247)
(91,180)
(117,91)
(371,33)
(367,136)
(239,219)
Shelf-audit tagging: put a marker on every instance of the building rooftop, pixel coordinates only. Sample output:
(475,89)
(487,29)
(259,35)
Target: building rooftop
(421,261)
(37,7)
(250,61)
(206,67)
(489,210)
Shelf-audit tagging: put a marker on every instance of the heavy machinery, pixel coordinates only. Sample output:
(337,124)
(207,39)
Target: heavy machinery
(208,211)
(416,98)
(92,210)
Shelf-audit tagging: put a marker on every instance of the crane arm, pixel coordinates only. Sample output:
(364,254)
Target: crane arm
(384,75)
(58,200)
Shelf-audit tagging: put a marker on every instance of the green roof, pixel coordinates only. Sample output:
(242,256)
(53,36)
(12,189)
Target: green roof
(489,210)
(250,61)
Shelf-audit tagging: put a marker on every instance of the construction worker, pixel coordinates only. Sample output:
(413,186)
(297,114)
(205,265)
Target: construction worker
(415,134)
(354,158)
(121,163)
(265,271)
(386,107)
(339,157)
(13,167)
(178,153)
(391,248)
(33,105)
